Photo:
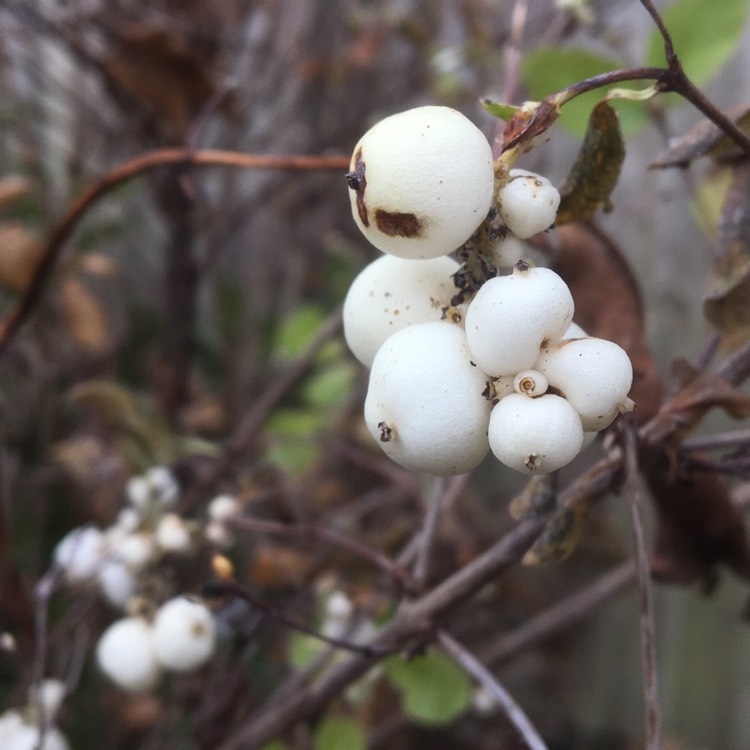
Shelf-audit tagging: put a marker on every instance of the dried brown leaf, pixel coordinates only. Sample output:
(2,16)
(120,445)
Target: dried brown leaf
(529,123)
(20,255)
(727,304)
(85,316)
(13,187)
(608,303)
(704,139)
(697,394)
(167,76)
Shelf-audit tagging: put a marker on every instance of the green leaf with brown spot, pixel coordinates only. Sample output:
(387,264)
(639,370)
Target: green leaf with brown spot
(727,304)
(595,173)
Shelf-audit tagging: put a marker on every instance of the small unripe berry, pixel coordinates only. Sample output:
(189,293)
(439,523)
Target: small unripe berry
(392,293)
(528,203)
(535,435)
(421,182)
(512,317)
(424,402)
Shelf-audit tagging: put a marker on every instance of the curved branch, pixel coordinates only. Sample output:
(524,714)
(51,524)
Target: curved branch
(127,171)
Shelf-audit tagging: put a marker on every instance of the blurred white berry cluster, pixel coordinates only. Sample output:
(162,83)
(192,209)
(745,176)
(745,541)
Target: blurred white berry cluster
(124,562)
(451,379)
(33,726)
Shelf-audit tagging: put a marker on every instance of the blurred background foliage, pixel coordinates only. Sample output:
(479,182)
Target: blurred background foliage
(187,295)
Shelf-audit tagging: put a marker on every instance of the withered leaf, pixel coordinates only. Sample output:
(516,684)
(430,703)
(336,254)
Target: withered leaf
(13,187)
(85,317)
(608,302)
(20,255)
(705,139)
(698,525)
(596,170)
(528,123)
(727,304)
(168,77)
(699,393)
(560,536)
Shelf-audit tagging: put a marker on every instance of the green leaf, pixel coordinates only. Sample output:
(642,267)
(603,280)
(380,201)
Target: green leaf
(330,385)
(294,447)
(338,733)
(275,745)
(304,649)
(434,690)
(705,34)
(596,170)
(549,69)
(503,111)
(297,331)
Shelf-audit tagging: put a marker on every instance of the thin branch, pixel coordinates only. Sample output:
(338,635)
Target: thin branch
(470,664)
(560,616)
(223,588)
(648,640)
(427,533)
(669,52)
(125,172)
(323,533)
(732,439)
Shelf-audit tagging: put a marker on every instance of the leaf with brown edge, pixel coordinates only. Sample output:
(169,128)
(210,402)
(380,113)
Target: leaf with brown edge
(683,412)
(528,123)
(698,525)
(20,255)
(560,536)
(498,109)
(704,139)
(596,170)
(727,304)
(608,302)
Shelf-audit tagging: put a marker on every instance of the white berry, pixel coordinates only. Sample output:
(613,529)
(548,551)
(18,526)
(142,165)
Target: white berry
(593,374)
(530,383)
(424,402)
(535,435)
(528,203)
(421,182)
(125,653)
(184,634)
(80,552)
(392,293)
(512,317)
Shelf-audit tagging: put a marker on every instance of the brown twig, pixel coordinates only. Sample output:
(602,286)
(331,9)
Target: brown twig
(325,534)
(427,533)
(648,638)
(125,172)
(560,616)
(472,666)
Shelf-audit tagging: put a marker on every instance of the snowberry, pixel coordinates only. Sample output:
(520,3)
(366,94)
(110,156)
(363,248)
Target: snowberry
(223,507)
(421,182)
(172,533)
(26,737)
(135,550)
(527,203)
(157,487)
(125,653)
(424,402)
(392,293)
(575,332)
(79,553)
(535,435)
(46,697)
(513,316)
(116,582)
(508,250)
(184,634)
(593,374)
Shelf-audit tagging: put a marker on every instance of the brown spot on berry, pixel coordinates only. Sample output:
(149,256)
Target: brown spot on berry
(358,182)
(396,224)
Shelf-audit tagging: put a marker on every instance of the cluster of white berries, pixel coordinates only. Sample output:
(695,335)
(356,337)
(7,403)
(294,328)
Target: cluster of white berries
(123,562)
(22,729)
(450,380)
(133,651)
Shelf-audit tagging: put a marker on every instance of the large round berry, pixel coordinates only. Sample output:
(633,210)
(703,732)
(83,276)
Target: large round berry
(392,293)
(424,402)
(421,182)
